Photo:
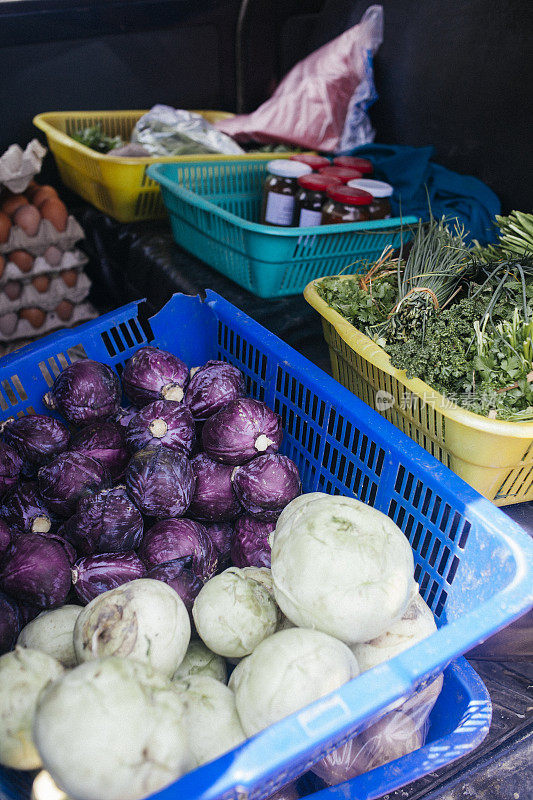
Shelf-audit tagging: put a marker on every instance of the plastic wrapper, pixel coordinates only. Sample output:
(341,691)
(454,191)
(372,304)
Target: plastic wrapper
(167,131)
(395,735)
(322,102)
(18,166)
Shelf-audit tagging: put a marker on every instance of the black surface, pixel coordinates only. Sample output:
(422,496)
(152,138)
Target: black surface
(90,55)
(140,260)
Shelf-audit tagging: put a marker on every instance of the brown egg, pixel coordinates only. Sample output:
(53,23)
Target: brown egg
(56,212)
(5,227)
(8,323)
(28,218)
(22,259)
(2,265)
(43,193)
(41,283)
(10,205)
(31,188)
(70,277)
(35,316)
(13,289)
(64,310)
(53,255)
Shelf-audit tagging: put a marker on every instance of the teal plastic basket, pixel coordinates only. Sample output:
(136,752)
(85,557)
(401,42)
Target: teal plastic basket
(212,208)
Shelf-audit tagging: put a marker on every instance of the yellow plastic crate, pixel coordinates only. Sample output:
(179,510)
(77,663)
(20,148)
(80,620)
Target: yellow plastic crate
(493,456)
(118,186)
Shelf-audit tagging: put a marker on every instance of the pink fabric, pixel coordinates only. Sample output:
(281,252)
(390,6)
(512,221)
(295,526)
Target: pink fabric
(309,107)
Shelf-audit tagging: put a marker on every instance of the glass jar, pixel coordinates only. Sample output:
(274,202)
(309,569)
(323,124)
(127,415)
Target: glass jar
(310,198)
(312,160)
(279,191)
(362,165)
(344,174)
(345,204)
(380,207)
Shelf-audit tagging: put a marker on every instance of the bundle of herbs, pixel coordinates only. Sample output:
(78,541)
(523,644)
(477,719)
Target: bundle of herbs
(459,319)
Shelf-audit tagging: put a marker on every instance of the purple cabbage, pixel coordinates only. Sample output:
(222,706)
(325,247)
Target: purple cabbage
(162,423)
(123,415)
(85,391)
(24,510)
(160,482)
(221,534)
(153,374)
(10,623)
(250,547)
(180,576)
(63,481)
(10,467)
(106,521)
(28,612)
(214,499)
(241,430)
(211,387)
(5,537)
(95,574)
(105,442)
(36,438)
(36,570)
(266,485)
(174,538)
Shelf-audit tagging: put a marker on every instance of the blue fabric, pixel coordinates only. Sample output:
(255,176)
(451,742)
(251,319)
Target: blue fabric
(410,170)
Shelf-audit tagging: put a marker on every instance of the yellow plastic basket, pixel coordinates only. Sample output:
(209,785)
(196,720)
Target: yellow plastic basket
(118,186)
(493,456)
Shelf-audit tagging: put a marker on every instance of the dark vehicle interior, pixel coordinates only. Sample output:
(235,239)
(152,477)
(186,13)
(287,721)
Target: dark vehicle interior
(455,75)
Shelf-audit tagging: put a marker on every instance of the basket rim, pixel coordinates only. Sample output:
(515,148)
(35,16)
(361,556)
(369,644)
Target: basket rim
(361,344)
(53,134)
(193,198)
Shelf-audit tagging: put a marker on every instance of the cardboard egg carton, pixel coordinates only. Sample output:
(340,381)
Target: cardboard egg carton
(12,327)
(72,259)
(45,236)
(57,290)
(18,167)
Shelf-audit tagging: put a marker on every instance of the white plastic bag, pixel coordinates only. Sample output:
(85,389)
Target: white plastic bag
(395,735)
(167,131)
(322,103)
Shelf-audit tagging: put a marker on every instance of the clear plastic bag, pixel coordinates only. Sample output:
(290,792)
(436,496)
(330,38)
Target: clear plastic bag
(322,103)
(167,131)
(395,735)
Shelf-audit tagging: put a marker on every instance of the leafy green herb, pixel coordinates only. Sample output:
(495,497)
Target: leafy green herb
(363,308)
(96,139)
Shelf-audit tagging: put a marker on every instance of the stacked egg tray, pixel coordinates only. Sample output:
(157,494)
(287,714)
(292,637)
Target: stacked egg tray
(43,285)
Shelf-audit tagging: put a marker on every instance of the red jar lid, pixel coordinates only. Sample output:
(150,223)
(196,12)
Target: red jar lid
(349,196)
(363,165)
(344,173)
(311,160)
(318,183)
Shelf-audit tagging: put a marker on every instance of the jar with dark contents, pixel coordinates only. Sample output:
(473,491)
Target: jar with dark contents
(279,191)
(310,198)
(345,204)
(381,192)
(312,160)
(344,174)
(362,165)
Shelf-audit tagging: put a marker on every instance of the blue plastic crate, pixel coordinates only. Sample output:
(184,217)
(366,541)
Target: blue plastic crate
(473,563)
(214,209)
